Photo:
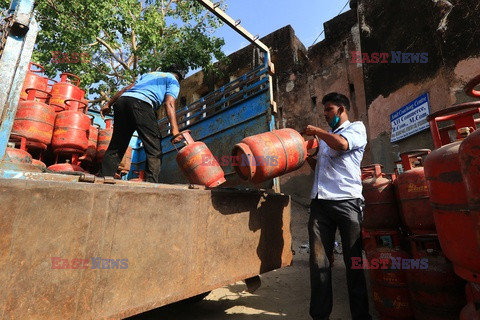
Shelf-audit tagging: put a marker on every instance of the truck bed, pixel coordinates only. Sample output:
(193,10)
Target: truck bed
(174,243)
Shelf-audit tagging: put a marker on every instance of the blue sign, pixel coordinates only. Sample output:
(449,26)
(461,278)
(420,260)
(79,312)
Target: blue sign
(410,119)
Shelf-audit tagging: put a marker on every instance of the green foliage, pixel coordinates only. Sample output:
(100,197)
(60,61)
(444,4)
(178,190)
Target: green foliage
(109,43)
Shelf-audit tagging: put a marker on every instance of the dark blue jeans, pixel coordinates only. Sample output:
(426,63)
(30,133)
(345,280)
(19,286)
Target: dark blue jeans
(132,114)
(325,217)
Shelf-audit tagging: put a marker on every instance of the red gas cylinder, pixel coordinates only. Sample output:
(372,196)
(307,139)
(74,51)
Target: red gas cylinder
(34,121)
(34,80)
(456,227)
(470,167)
(126,162)
(91,151)
(436,291)
(39,164)
(66,167)
(387,276)
(104,137)
(140,177)
(18,156)
(198,164)
(67,88)
(412,192)
(271,154)
(70,134)
(381,211)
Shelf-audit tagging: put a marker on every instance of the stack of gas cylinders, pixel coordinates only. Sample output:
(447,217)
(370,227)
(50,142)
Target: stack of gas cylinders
(385,245)
(425,220)
(53,127)
(453,177)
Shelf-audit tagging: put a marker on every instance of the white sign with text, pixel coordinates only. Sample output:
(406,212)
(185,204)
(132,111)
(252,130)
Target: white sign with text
(410,119)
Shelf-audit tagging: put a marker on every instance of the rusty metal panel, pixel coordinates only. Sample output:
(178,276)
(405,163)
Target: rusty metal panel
(173,243)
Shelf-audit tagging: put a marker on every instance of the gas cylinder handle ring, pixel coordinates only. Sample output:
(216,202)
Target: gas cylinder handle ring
(75,100)
(373,166)
(63,77)
(424,237)
(421,239)
(442,114)
(311,143)
(42,69)
(92,119)
(58,106)
(374,170)
(470,87)
(180,134)
(34,93)
(407,155)
(186,136)
(416,153)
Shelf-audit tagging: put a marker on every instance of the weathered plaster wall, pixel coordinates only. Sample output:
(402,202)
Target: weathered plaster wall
(447,31)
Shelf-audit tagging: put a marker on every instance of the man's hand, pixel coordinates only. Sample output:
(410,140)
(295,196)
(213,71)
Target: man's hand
(311,130)
(178,138)
(106,109)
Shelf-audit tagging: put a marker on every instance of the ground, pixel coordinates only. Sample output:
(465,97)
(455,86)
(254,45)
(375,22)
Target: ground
(284,294)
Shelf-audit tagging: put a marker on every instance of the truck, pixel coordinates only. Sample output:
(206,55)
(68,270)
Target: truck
(83,247)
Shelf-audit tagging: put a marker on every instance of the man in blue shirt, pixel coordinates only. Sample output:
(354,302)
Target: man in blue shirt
(337,202)
(135,108)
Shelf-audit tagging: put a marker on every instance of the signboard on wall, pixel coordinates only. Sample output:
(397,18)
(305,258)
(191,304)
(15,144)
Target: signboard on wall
(410,119)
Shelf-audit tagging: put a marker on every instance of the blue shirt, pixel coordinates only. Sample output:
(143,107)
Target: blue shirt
(152,88)
(337,173)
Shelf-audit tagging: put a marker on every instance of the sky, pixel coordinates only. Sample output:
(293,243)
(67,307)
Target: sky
(261,17)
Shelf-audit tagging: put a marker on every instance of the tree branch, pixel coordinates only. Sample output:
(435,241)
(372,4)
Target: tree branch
(106,45)
(134,48)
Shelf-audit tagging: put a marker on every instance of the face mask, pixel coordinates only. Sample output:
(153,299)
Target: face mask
(334,121)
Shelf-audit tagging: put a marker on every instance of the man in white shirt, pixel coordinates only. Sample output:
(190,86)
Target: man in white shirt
(337,202)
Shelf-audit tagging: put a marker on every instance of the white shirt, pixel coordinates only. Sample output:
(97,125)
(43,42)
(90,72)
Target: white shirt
(337,173)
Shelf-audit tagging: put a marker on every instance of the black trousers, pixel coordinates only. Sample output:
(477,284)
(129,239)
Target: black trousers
(325,217)
(132,114)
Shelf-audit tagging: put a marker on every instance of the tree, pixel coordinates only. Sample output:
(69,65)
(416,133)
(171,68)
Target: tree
(109,42)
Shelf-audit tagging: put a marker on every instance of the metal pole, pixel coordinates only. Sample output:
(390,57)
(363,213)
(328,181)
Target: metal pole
(16,54)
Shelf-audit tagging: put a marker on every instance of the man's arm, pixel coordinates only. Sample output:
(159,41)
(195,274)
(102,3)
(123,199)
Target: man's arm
(334,141)
(171,115)
(107,107)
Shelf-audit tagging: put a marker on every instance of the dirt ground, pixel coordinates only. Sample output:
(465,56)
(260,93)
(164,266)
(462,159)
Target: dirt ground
(284,294)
